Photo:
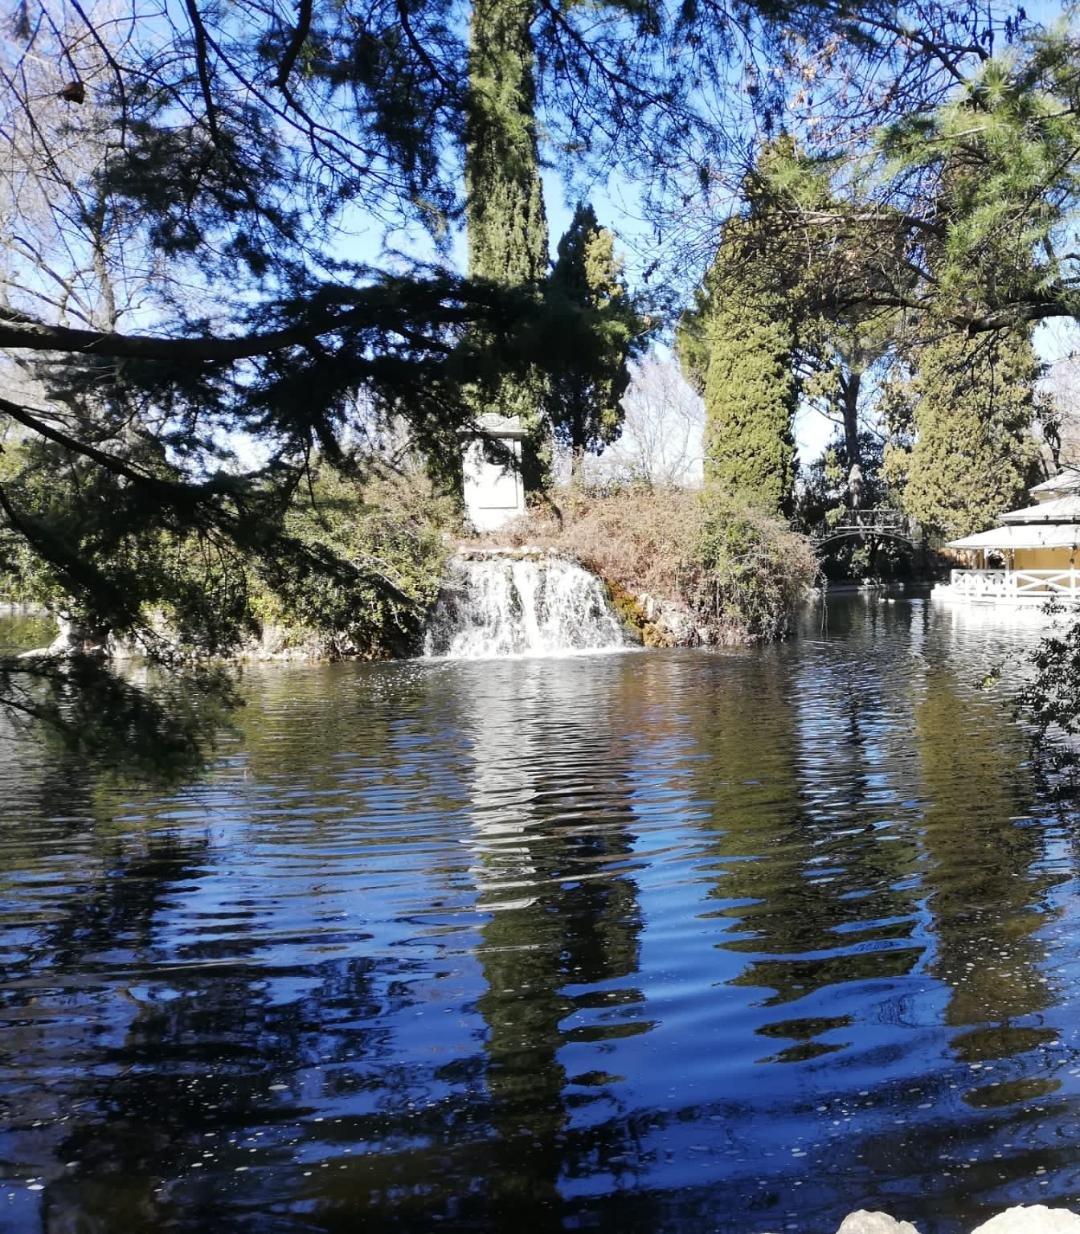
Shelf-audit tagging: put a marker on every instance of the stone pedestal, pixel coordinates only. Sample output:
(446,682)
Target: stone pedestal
(491,466)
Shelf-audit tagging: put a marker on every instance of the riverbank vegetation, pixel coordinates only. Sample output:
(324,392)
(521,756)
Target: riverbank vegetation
(1050,703)
(683,566)
(342,567)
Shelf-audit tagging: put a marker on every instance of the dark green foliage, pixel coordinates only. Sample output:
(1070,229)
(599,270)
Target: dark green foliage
(750,400)
(972,404)
(507,226)
(107,549)
(740,344)
(987,157)
(589,375)
(745,567)
(958,213)
(1050,702)
(343,567)
(793,288)
(692,339)
(505,207)
(738,348)
(997,171)
(390,534)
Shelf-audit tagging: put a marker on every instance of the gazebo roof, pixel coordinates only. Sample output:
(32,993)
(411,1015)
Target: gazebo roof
(1026,535)
(1064,509)
(1066,481)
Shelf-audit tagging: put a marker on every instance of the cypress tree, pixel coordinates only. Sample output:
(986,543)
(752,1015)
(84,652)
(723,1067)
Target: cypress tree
(738,348)
(507,226)
(750,398)
(973,403)
(590,374)
(508,235)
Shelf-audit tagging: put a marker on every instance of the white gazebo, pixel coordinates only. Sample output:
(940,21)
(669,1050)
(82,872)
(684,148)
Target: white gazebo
(491,468)
(1031,558)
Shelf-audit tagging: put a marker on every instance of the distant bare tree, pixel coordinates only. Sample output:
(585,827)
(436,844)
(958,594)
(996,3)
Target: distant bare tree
(69,252)
(66,247)
(661,438)
(1062,438)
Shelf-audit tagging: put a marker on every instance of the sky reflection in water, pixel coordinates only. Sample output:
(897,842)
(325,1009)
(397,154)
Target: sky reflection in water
(673,941)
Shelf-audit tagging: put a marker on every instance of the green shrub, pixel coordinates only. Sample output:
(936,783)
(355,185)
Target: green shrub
(349,567)
(745,568)
(1049,701)
(385,542)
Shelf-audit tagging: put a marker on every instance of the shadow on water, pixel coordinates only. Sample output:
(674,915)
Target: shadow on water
(666,941)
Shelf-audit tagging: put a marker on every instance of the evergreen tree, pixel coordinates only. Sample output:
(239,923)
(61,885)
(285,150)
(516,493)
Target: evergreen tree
(972,401)
(750,399)
(989,182)
(507,226)
(590,371)
(738,349)
(828,272)
(972,406)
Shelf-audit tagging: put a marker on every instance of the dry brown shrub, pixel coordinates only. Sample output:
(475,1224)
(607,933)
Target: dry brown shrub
(738,571)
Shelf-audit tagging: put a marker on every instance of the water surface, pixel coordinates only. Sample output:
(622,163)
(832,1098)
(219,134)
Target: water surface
(665,941)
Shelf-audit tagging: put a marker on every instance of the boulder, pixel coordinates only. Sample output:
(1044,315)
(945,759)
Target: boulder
(864,1222)
(668,623)
(1032,1219)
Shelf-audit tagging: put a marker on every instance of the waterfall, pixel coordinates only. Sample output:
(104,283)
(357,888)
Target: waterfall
(519,602)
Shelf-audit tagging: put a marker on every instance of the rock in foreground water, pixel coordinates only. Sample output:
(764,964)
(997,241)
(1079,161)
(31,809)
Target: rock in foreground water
(1032,1219)
(1023,1219)
(864,1222)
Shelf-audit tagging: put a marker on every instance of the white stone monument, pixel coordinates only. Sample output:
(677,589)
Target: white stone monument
(493,490)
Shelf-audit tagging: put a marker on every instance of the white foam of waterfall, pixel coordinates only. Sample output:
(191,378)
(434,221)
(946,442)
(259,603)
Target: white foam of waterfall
(503,604)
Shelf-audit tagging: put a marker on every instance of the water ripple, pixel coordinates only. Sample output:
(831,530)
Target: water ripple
(658,942)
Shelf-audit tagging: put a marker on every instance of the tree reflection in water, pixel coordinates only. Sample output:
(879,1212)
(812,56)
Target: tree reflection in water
(806,872)
(550,826)
(648,942)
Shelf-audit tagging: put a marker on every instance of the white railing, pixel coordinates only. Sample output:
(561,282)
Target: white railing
(1016,584)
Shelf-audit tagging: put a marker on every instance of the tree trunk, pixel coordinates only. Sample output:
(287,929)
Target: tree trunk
(849,393)
(577,466)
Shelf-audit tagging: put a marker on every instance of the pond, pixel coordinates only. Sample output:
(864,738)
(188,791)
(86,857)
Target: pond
(656,941)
